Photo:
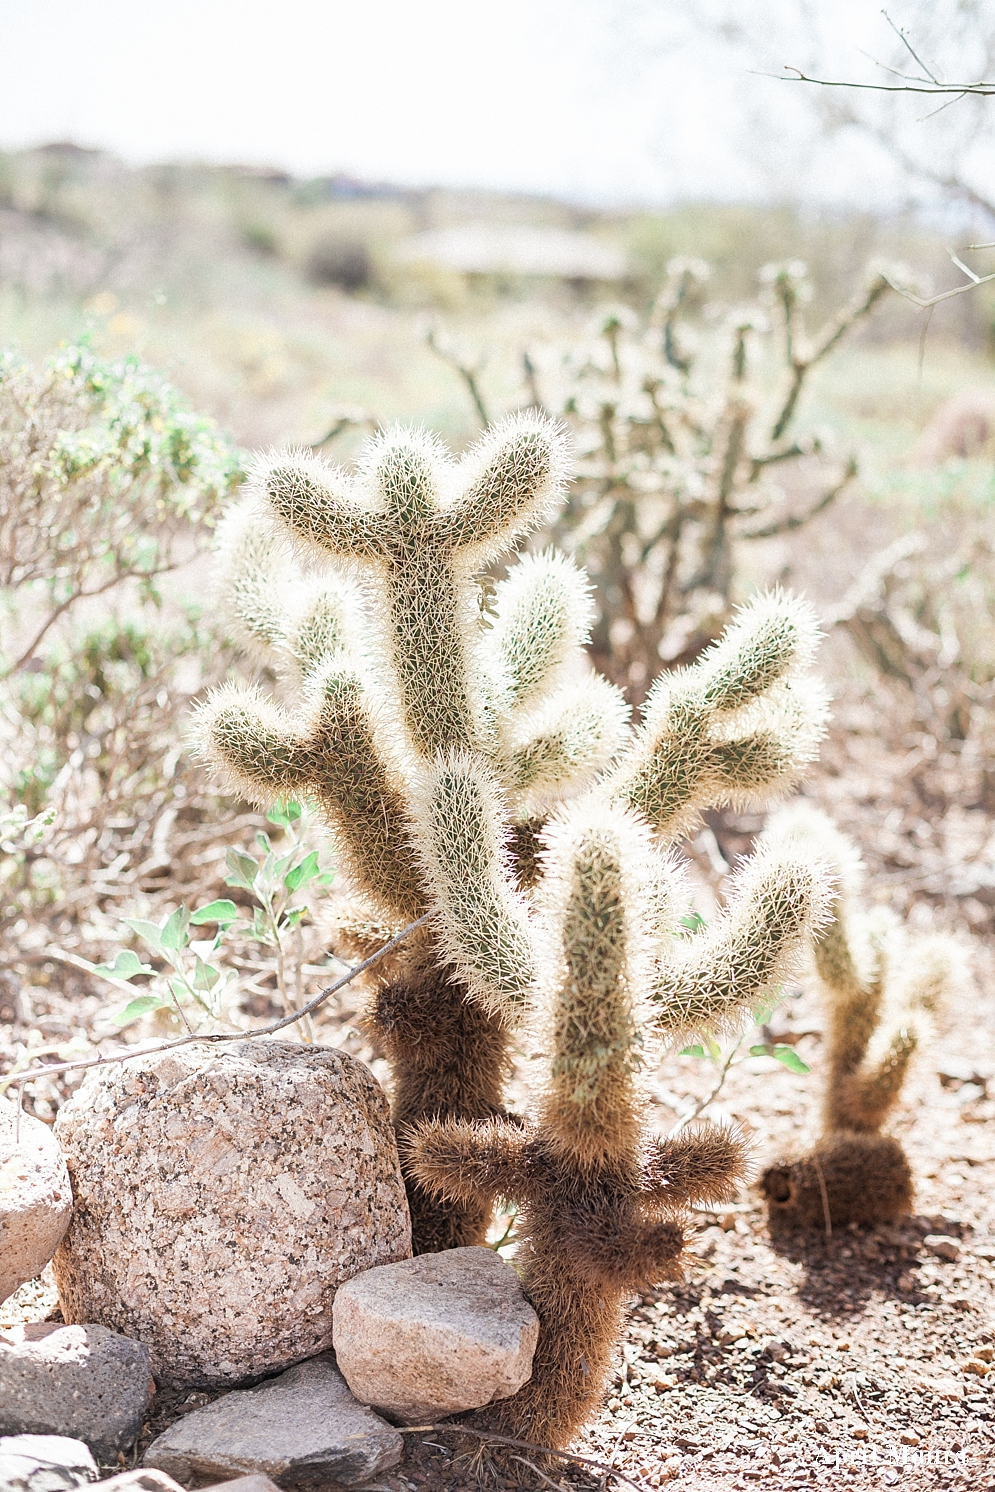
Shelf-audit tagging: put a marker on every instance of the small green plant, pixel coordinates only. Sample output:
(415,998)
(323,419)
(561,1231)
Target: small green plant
(104,472)
(197,984)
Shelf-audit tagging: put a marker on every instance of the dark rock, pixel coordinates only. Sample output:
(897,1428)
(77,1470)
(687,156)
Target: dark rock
(82,1381)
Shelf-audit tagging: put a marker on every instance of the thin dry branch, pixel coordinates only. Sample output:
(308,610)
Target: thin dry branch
(213,1037)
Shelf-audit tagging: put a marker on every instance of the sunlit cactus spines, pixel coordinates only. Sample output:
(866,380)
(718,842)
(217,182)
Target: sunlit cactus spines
(600,1201)
(418,526)
(440,721)
(737,727)
(881,987)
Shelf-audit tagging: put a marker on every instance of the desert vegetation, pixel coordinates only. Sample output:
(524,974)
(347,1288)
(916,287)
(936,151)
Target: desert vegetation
(510,714)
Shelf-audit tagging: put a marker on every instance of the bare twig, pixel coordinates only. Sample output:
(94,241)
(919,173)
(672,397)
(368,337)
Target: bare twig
(214,1037)
(700,1107)
(925,85)
(470,376)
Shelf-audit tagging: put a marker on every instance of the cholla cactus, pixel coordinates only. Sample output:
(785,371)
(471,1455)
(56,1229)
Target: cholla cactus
(882,987)
(438,720)
(680,448)
(600,1200)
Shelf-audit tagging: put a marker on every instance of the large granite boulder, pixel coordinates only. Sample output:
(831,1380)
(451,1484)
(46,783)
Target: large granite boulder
(222,1193)
(35,1199)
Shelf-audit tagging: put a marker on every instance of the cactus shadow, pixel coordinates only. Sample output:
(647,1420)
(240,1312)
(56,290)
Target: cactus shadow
(843,1272)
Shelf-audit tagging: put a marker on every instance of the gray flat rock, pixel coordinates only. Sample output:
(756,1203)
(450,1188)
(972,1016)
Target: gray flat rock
(303,1429)
(82,1381)
(44,1463)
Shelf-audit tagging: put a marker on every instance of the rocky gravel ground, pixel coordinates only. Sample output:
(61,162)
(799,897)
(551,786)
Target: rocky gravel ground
(865,1359)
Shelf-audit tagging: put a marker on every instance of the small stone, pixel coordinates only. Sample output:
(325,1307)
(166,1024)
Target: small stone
(302,1429)
(985,1249)
(154,1481)
(941,1246)
(256,1483)
(35,1197)
(435,1335)
(82,1381)
(909,1437)
(222,1195)
(976,1366)
(950,1389)
(44,1463)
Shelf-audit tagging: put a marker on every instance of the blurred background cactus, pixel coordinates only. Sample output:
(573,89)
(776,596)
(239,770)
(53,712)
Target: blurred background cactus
(688,444)
(881,989)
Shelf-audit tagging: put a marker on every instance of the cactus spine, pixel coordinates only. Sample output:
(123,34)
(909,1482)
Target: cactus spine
(600,1200)
(881,988)
(438,728)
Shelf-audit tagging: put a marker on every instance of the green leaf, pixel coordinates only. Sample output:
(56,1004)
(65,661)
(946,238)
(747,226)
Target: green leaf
(692,921)
(223,912)
(293,918)
(141,1005)
(692,1051)
(783,1054)
(284,814)
(301,874)
(125,966)
(149,932)
(242,870)
(174,932)
(326,878)
(205,976)
(264,842)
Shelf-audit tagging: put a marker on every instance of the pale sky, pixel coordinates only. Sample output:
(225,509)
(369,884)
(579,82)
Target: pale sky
(610,101)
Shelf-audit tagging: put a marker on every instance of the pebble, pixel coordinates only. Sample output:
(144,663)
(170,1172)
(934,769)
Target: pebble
(435,1335)
(303,1428)
(222,1195)
(942,1246)
(35,1197)
(44,1463)
(82,1381)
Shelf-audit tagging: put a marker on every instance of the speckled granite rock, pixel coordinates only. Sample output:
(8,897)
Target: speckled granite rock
(434,1335)
(35,1199)
(83,1381)
(304,1429)
(221,1196)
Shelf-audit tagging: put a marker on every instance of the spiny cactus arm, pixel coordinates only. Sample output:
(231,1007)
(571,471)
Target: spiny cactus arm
(920,976)
(276,615)
(482,920)
(850,952)
(618,1249)
(740,724)
(511,481)
(252,743)
(544,616)
(330,752)
(257,573)
(320,505)
(778,900)
(591,935)
(703,1163)
(464,1163)
(578,732)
